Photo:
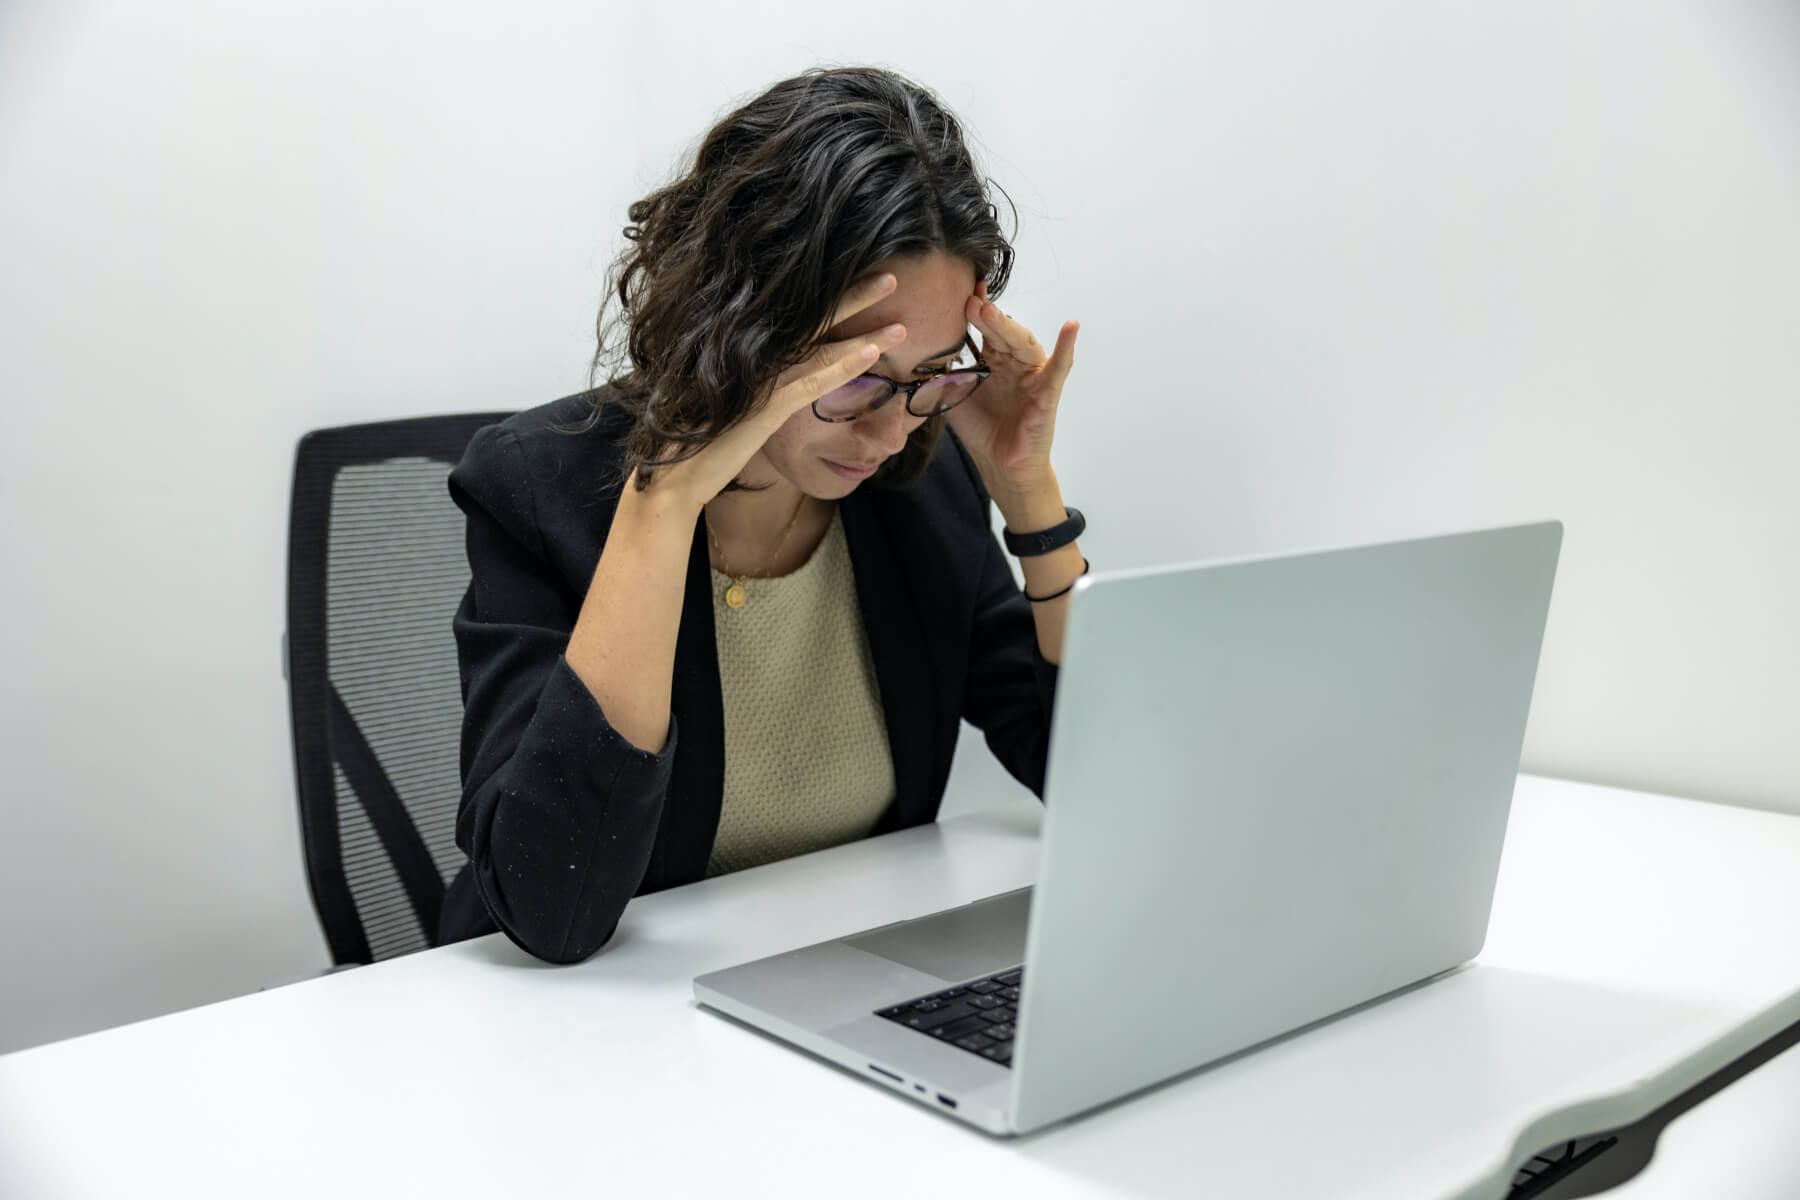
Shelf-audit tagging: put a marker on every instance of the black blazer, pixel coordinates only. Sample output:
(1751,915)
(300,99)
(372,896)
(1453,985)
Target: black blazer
(563,820)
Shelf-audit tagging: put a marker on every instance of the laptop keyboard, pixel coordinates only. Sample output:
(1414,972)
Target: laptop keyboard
(977,1016)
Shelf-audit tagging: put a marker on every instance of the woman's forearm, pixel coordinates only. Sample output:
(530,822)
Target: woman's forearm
(1045,574)
(623,645)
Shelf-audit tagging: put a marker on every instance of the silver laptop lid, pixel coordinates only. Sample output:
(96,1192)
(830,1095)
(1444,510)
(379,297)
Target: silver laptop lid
(1319,753)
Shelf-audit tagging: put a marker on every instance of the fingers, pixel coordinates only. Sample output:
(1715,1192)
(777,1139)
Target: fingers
(1000,332)
(830,367)
(859,296)
(831,353)
(1062,359)
(835,370)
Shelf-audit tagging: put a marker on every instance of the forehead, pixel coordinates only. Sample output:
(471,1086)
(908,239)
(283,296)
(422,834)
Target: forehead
(927,298)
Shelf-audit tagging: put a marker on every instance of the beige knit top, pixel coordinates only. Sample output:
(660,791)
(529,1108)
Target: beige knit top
(807,763)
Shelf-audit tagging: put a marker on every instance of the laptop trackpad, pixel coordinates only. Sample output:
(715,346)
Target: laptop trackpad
(976,939)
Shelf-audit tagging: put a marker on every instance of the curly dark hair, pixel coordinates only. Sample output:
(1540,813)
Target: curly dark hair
(732,270)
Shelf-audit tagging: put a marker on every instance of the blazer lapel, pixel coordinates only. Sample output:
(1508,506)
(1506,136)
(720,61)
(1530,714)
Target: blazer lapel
(901,654)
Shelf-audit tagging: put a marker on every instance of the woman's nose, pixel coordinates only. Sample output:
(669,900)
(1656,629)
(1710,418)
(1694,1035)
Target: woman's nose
(889,426)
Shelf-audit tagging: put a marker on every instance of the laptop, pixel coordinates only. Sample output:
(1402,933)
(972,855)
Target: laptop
(1277,789)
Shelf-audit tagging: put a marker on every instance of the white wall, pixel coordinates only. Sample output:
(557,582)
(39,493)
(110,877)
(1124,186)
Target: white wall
(1345,272)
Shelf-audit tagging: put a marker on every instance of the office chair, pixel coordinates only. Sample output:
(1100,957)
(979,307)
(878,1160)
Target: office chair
(376,568)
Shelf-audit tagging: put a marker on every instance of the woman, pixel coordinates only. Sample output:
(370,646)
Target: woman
(733,605)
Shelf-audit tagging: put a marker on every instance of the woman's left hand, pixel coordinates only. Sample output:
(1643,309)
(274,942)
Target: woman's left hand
(1008,424)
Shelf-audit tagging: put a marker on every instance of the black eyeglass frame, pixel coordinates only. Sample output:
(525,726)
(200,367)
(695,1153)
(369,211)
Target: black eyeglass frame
(980,370)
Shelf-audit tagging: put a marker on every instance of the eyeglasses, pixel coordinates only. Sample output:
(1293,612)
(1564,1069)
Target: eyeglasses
(929,397)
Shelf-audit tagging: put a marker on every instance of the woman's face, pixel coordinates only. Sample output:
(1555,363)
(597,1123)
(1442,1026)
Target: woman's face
(827,460)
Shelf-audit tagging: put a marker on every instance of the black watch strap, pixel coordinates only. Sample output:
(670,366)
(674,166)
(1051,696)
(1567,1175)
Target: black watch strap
(1030,545)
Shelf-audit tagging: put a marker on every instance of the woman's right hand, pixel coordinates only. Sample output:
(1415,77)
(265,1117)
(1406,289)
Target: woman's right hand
(695,481)
(623,644)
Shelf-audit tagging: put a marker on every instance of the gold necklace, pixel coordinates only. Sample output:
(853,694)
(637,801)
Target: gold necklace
(735,595)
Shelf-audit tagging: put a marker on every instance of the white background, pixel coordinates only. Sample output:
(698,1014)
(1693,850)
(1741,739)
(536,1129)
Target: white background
(1345,272)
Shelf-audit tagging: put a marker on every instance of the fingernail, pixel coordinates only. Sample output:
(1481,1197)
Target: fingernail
(895,331)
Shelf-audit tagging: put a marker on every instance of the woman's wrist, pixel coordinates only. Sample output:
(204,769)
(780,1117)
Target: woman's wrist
(661,504)
(1030,505)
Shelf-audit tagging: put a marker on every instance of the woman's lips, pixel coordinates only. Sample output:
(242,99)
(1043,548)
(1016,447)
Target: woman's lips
(851,472)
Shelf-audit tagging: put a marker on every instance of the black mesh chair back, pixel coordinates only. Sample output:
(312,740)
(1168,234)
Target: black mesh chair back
(376,568)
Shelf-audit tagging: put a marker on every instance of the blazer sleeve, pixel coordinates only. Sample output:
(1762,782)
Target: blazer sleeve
(559,811)
(1010,687)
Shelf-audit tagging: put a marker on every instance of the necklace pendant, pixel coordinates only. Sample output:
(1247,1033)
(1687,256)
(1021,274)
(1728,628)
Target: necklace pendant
(735,596)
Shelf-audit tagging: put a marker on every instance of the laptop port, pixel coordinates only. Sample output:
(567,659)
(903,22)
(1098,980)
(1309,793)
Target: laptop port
(889,1074)
(946,1101)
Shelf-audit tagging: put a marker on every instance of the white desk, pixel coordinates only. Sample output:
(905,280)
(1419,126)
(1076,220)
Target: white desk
(1638,944)
(1737,1145)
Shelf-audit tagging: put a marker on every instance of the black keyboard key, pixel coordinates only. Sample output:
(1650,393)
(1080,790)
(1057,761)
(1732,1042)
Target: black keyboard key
(927,1021)
(962,1028)
(978,1017)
